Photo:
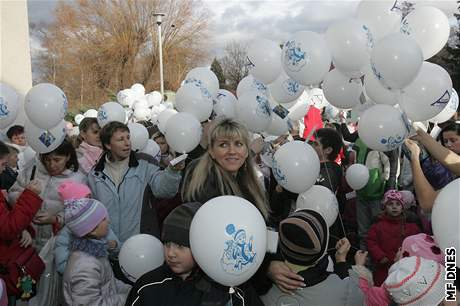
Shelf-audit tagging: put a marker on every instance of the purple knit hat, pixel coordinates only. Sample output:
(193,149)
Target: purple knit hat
(82,216)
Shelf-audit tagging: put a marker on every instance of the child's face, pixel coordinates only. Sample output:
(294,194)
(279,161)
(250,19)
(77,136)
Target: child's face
(161,141)
(393,208)
(91,136)
(179,258)
(101,230)
(19,139)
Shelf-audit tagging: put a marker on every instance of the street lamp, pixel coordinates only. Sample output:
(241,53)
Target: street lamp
(159,17)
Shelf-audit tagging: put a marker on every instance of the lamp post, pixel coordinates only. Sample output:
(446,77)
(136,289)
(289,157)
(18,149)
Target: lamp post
(159,17)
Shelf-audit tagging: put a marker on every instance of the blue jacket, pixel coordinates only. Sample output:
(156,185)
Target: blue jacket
(62,252)
(133,198)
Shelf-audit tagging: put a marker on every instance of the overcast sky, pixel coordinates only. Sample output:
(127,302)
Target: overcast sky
(245,20)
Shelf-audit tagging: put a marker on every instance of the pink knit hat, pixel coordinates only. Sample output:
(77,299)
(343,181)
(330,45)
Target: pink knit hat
(71,190)
(408,198)
(424,246)
(391,195)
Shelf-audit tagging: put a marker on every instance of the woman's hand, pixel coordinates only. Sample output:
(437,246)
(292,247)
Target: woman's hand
(342,248)
(35,186)
(284,278)
(44,217)
(413,148)
(26,239)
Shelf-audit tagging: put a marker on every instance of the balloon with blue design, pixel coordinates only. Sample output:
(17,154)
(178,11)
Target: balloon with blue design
(383,128)
(44,140)
(9,105)
(228,239)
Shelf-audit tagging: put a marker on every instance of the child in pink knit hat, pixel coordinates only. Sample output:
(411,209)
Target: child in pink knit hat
(71,190)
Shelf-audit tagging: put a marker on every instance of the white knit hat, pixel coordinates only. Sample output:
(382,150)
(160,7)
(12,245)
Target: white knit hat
(416,281)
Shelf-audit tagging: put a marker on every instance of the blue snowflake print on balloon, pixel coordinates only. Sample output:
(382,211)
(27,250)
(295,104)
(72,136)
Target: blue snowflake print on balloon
(259,86)
(294,57)
(405,28)
(102,115)
(370,38)
(46,138)
(442,101)
(3,108)
(392,142)
(263,107)
(239,251)
(198,83)
(278,174)
(291,87)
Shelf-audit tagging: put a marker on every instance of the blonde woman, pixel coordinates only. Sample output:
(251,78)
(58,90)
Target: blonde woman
(227,168)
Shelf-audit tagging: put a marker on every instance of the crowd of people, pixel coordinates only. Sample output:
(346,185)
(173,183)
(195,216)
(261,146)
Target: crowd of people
(93,192)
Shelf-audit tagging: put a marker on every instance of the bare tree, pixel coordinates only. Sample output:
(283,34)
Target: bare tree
(234,63)
(97,47)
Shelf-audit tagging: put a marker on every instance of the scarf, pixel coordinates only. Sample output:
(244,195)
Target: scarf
(89,156)
(94,247)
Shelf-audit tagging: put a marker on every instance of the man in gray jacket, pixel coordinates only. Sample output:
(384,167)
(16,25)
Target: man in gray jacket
(303,240)
(127,183)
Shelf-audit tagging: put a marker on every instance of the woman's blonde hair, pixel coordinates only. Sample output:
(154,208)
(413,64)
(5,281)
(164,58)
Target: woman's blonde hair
(227,184)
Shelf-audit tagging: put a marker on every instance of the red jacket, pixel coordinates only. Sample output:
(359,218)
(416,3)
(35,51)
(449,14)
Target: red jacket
(383,240)
(14,221)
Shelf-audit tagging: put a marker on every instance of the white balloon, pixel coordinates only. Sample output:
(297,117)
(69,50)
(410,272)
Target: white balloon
(320,199)
(296,166)
(428,94)
(225,104)
(152,149)
(316,98)
(126,97)
(278,126)
(163,118)
(228,239)
(357,176)
(264,58)
(110,111)
(45,105)
(90,113)
(183,132)
(194,99)
(154,98)
(138,89)
(78,118)
(381,17)
(140,254)
(299,110)
(138,136)
(429,27)
(359,109)
(382,128)
(306,58)
(350,42)
(142,113)
(207,78)
(253,110)
(377,92)
(249,83)
(285,89)
(9,105)
(340,91)
(445,217)
(396,60)
(449,110)
(42,140)
(141,103)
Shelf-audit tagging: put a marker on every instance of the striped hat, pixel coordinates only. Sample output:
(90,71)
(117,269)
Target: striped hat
(303,237)
(82,216)
(416,281)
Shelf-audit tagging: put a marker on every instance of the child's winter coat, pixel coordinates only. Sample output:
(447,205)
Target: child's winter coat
(384,239)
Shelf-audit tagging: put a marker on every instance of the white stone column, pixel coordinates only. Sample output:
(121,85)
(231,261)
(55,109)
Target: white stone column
(15,62)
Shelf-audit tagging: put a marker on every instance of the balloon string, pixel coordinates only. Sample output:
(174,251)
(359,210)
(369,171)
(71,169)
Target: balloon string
(330,182)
